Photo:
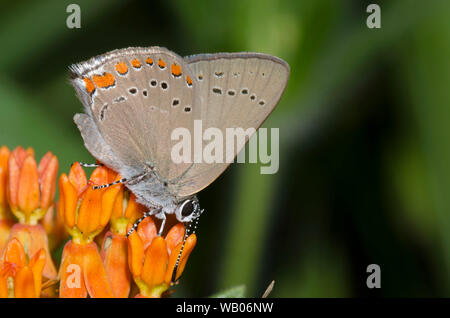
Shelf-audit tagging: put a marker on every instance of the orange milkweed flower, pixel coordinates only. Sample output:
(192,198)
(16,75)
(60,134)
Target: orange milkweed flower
(31,188)
(82,272)
(31,191)
(18,277)
(34,238)
(85,212)
(114,249)
(152,260)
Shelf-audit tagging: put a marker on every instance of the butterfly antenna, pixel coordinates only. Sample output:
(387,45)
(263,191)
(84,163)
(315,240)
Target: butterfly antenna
(186,235)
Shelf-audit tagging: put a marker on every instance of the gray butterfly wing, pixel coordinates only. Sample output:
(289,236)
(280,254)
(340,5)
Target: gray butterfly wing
(135,97)
(237,90)
(95,143)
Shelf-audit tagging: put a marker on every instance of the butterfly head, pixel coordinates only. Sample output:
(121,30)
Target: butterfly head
(188,210)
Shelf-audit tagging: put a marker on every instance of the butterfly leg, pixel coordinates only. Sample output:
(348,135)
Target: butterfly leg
(123,180)
(90,165)
(134,179)
(163,222)
(138,221)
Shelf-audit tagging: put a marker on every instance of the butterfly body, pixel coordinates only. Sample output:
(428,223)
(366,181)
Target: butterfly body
(134,98)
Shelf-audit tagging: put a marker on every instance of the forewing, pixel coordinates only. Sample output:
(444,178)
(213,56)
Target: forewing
(136,97)
(95,143)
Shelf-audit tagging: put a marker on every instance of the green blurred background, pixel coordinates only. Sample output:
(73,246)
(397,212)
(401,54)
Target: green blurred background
(364,130)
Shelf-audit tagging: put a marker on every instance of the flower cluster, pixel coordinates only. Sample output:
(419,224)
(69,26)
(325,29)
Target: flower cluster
(33,228)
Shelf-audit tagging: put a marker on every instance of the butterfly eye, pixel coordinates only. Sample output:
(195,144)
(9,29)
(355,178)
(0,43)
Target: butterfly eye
(186,211)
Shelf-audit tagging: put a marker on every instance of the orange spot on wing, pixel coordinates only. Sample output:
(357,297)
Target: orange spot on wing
(90,87)
(149,61)
(161,63)
(136,63)
(188,80)
(104,81)
(122,68)
(176,70)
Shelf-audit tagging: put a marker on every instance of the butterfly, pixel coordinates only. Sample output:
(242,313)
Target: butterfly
(135,97)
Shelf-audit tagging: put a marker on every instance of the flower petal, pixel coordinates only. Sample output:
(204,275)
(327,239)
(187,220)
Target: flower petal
(14,253)
(47,179)
(3,287)
(37,266)
(90,210)
(188,248)
(5,229)
(4,156)
(28,196)
(95,277)
(147,231)
(155,264)
(175,236)
(89,214)
(117,211)
(133,210)
(13,180)
(71,272)
(78,178)
(19,155)
(68,196)
(24,284)
(44,162)
(135,253)
(109,198)
(114,255)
